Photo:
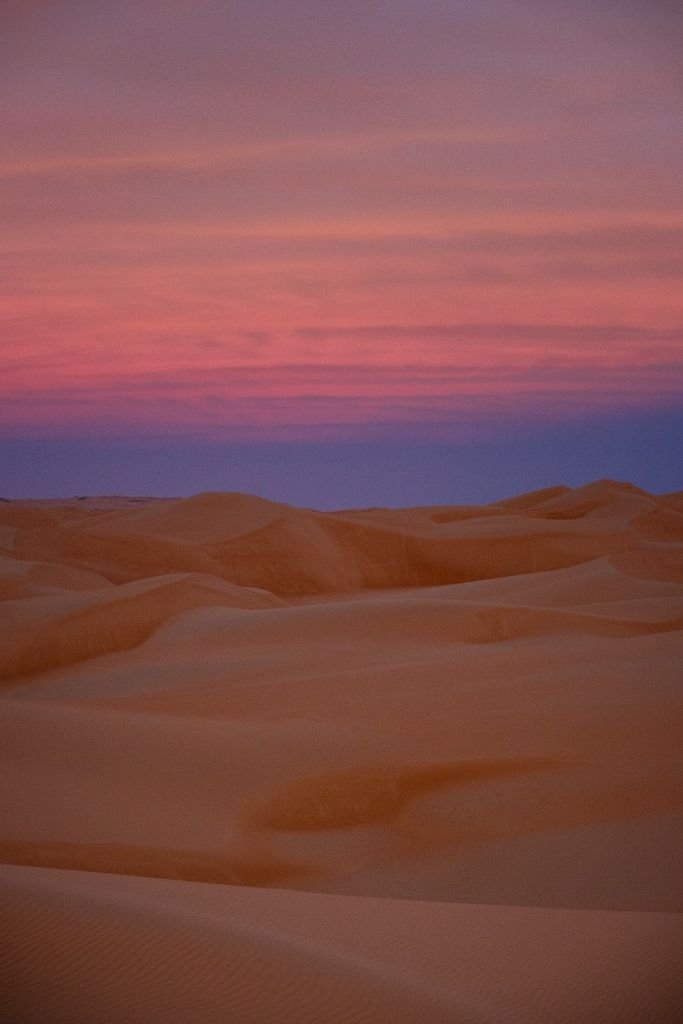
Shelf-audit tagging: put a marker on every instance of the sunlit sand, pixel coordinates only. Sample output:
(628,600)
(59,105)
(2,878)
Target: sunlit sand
(265,764)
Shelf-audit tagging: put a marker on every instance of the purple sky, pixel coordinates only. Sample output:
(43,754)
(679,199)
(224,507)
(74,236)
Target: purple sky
(391,252)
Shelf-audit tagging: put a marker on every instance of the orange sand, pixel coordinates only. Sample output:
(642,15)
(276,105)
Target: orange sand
(228,726)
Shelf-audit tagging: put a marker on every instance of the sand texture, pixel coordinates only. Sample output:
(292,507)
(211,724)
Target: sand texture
(265,764)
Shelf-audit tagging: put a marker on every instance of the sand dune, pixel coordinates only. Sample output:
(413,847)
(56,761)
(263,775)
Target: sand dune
(140,951)
(229,726)
(254,542)
(64,630)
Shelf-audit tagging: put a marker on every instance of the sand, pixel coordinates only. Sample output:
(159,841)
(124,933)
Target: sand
(266,764)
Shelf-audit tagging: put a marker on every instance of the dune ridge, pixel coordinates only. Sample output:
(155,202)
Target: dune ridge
(253,542)
(268,763)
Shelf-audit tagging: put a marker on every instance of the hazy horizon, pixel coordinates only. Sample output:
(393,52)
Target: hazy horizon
(642,451)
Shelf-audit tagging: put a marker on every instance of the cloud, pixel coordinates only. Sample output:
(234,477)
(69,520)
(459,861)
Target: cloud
(399,214)
(332,401)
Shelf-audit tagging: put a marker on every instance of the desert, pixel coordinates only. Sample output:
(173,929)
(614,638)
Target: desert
(267,764)
(341,530)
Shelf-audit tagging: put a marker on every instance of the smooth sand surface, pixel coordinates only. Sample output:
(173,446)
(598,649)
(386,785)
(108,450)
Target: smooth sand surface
(265,764)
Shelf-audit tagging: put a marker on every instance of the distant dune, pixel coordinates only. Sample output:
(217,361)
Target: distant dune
(267,764)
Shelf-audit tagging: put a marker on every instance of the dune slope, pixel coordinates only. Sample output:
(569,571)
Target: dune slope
(263,763)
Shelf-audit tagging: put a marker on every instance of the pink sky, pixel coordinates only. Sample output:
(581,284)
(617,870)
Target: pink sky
(282,220)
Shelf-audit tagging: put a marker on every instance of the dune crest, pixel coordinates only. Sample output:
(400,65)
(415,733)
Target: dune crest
(254,542)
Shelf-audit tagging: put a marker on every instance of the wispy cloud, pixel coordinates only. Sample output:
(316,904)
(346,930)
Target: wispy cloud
(409,214)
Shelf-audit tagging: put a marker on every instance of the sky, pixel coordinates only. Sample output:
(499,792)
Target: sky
(396,252)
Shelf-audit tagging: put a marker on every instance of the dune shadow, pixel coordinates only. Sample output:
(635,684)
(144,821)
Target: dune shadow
(150,862)
(374,795)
